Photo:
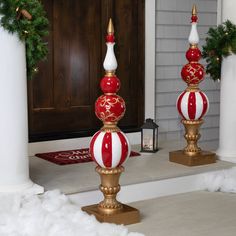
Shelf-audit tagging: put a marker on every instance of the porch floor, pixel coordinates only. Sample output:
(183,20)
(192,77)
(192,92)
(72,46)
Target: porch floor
(77,178)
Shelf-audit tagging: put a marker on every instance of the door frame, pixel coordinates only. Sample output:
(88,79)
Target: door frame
(150,53)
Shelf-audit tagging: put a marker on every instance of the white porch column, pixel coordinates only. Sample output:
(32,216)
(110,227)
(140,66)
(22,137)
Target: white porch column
(14,167)
(227,142)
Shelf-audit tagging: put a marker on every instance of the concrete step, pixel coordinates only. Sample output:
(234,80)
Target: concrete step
(145,177)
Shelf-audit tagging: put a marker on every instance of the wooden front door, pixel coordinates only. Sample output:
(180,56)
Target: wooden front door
(62,96)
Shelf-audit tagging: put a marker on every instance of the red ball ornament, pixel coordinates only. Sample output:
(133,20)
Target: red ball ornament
(192,73)
(193,54)
(110,108)
(110,84)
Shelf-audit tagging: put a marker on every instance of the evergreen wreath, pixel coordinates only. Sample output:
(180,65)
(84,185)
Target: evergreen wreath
(220,43)
(27,19)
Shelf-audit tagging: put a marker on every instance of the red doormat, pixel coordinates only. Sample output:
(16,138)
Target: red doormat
(71,156)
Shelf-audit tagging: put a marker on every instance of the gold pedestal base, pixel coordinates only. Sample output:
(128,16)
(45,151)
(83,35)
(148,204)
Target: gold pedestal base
(201,158)
(110,210)
(127,215)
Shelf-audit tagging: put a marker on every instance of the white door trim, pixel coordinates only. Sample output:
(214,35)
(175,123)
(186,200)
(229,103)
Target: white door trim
(150,51)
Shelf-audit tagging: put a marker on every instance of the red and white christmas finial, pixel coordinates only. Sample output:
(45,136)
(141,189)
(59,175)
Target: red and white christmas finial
(109,147)
(192,104)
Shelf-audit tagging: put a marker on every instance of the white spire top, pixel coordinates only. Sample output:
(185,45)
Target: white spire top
(193,36)
(110,63)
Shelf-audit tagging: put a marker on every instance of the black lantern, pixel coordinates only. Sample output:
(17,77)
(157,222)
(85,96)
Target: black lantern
(149,136)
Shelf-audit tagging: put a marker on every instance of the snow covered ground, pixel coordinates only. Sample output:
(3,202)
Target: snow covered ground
(50,214)
(223,181)
(53,214)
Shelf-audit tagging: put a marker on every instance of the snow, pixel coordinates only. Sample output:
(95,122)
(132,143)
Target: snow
(223,181)
(50,214)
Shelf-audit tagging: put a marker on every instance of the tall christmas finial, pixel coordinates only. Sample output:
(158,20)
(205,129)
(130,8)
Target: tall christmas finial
(192,104)
(109,147)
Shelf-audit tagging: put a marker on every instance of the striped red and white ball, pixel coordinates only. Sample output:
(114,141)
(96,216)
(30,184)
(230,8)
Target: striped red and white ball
(192,105)
(109,149)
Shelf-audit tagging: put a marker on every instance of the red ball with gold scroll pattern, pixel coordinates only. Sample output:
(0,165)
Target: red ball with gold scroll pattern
(193,73)
(109,149)
(110,108)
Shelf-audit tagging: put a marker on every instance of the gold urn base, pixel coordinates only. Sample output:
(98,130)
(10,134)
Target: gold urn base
(127,215)
(192,155)
(110,210)
(201,158)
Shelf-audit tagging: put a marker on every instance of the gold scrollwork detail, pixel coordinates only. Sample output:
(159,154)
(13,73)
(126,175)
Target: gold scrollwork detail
(192,71)
(108,103)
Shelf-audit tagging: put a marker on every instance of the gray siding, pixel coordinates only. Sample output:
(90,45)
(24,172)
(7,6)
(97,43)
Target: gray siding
(172,30)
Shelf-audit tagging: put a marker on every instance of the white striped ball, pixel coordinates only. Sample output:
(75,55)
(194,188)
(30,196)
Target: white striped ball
(192,105)
(109,149)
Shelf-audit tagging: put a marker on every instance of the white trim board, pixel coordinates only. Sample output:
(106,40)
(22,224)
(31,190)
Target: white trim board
(219,12)
(150,49)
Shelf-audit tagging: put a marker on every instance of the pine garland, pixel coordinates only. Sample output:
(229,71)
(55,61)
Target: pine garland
(220,43)
(27,19)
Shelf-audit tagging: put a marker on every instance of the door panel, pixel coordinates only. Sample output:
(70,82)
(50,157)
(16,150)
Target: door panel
(62,96)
